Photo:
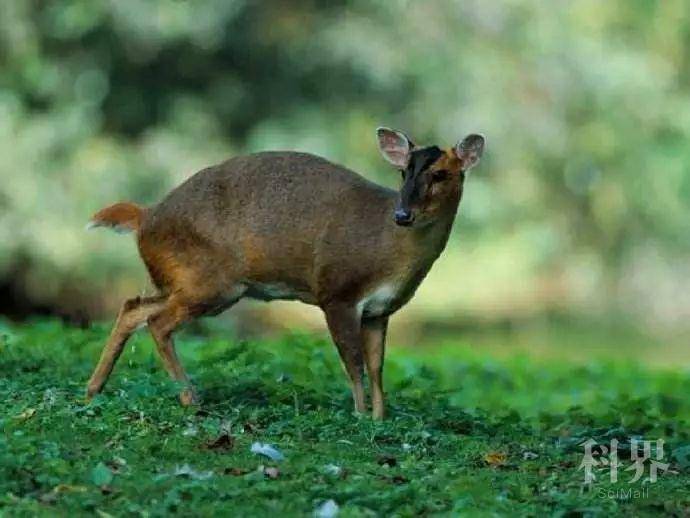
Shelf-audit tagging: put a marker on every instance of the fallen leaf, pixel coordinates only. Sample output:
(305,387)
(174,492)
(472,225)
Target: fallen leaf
(26,414)
(66,488)
(236,472)
(495,458)
(222,442)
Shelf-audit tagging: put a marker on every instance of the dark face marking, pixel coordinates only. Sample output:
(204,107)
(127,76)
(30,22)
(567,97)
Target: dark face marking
(415,183)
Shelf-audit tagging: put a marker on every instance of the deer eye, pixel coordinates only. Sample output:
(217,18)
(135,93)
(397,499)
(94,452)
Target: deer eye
(440,175)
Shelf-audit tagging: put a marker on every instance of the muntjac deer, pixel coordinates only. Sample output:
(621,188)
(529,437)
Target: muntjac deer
(287,225)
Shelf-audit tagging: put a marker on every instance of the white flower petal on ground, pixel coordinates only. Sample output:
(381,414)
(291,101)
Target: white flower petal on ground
(332,469)
(328,509)
(267,450)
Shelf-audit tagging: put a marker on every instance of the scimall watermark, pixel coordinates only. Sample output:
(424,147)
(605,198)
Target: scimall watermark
(623,494)
(645,459)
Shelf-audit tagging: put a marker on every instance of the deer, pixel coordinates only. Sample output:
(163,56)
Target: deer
(293,226)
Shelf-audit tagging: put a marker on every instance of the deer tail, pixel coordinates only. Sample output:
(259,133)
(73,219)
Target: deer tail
(121,217)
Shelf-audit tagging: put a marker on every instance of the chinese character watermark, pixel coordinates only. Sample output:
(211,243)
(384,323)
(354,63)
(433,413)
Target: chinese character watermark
(606,456)
(639,461)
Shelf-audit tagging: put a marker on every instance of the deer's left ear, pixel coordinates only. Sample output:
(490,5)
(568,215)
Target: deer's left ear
(395,147)
(469,150)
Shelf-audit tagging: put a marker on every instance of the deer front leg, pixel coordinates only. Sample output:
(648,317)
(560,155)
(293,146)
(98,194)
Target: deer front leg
(344,324)
(374,341)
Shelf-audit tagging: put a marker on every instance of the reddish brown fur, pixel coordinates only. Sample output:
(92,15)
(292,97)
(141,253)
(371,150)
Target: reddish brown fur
(284,225)
(122,216)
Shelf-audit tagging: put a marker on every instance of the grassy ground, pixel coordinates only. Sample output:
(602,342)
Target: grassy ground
(466,434)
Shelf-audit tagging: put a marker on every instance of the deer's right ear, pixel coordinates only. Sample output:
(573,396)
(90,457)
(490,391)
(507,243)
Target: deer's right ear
(395,147)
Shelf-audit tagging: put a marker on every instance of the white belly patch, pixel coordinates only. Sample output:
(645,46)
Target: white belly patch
(379,301)
(276,291)
(271,291)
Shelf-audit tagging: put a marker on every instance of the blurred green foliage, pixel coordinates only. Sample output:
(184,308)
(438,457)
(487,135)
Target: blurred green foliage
(582,203)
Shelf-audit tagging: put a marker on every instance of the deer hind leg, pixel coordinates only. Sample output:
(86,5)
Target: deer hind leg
(162,325)
(344,325)
(133,313)
(374,342)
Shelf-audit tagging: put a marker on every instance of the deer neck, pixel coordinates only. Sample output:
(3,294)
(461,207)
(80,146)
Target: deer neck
(419,247)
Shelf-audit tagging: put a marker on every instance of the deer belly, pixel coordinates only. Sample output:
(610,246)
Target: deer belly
(277,291)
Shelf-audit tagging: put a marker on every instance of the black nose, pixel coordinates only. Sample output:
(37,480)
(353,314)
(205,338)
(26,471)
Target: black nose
(403,217)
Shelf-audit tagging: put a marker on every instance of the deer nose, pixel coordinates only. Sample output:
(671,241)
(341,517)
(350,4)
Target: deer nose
(403,217)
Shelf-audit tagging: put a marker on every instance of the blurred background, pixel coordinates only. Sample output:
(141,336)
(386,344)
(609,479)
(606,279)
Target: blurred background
(573,237)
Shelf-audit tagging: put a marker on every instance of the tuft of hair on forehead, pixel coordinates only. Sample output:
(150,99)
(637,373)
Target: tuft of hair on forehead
(450,161)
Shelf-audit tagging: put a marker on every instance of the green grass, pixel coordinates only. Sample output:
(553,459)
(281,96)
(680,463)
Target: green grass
(466,433)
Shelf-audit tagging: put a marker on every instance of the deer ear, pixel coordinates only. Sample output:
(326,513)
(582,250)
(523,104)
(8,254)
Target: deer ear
(469,150)
(394,146)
